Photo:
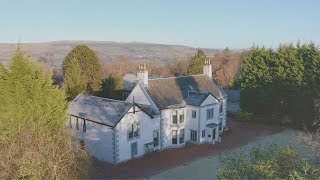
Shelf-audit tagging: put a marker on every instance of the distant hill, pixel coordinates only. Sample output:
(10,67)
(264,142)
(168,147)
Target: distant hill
(107,51)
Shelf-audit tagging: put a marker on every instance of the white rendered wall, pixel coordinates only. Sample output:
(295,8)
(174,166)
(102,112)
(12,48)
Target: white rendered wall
(208,103)
(146,126)
(192,123)
(168,126)
(98,139)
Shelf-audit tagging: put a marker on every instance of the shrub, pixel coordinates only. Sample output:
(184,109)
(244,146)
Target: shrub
(244,116)
(272,162)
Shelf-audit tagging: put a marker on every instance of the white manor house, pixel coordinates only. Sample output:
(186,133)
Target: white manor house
(158,113)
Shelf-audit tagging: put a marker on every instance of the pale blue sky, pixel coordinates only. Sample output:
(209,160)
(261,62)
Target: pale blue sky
(197,23)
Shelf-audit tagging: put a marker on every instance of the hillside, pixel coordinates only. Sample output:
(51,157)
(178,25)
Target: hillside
(107,51)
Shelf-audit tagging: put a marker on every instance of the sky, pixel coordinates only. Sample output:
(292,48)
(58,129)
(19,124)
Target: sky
(235,24)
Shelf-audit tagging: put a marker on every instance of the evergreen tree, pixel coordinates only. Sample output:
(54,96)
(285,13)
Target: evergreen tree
(34,143)
(74,80)
(283,83)
(112,87)
(90,66)
(197,62)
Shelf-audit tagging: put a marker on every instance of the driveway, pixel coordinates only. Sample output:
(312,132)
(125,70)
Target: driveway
(239,135)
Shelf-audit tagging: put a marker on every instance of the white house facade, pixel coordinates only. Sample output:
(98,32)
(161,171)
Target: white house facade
(158,113)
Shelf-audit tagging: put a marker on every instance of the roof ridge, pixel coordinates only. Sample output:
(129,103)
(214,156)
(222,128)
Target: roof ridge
(173,77)
(106,98)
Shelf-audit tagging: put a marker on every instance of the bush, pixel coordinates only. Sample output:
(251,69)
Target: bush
(244,116)
(272,162)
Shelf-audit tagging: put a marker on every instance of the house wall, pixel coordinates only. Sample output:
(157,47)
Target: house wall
(146,127)
(209,103)
(223,115)
(167,126)
(192,123)
(98,139)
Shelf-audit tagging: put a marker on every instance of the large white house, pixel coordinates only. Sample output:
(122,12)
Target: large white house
(158,113)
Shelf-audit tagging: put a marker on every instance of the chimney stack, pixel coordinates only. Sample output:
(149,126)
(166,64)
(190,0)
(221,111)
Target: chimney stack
(207,68)
(142,74)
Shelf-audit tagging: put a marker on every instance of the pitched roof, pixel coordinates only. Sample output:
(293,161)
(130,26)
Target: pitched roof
(166,92)
(196,98)
(130,80)
(101,110)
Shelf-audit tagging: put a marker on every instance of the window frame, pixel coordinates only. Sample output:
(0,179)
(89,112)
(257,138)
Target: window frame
(174,117)
(193,135)
(174,137)
(181,136)
(203,133)
(133,129)
(134,154)
(155,138)
(194,114)
(181,117)
(221,107)
(210,113)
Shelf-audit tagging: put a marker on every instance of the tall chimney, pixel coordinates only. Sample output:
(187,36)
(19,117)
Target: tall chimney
(142,74)
(207,68)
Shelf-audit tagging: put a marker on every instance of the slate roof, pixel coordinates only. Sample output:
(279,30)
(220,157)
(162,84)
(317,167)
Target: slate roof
(101,110)
(166,92)
(196,98)
(130,80)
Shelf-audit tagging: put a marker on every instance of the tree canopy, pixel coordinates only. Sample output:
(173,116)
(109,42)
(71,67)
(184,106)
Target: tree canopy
(112,87)
(74,79)
(33,112)
(89,65)
(282,82)
(197,62)
(271,162)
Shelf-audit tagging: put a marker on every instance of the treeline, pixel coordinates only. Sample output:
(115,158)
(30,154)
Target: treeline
(83,72)
(282,85)
(225,66)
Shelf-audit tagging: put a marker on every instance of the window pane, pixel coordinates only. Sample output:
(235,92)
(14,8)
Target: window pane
(194,114)
(134,149)
(174,137)
(193,135)
(174,117)
(181,139)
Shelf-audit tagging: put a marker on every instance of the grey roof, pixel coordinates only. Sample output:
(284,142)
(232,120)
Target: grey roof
(101,110)
(196,98)
(129,81)
(147,109)
(166,92)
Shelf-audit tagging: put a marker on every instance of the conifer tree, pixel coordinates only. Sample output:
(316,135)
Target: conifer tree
(34,143)
(112,87)
(197,62)
(89,64)
(74,80)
